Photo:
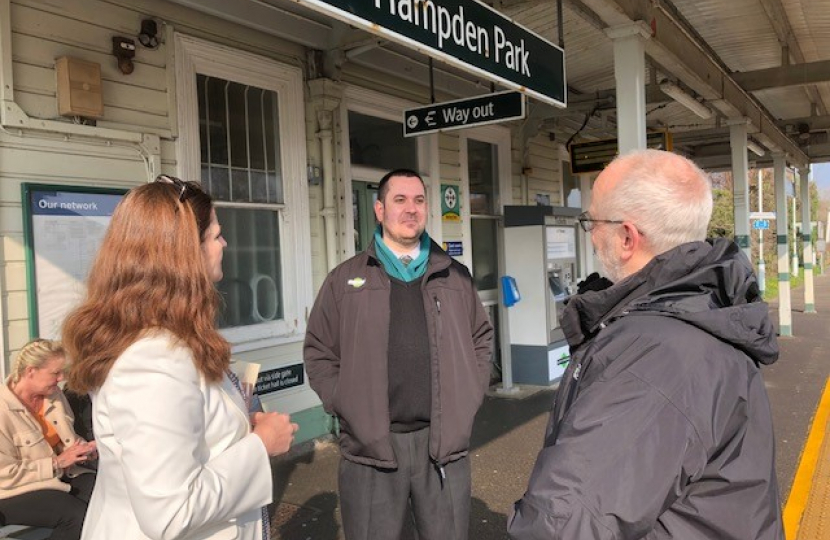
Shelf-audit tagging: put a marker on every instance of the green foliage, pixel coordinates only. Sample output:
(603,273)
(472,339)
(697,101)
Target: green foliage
(815,202)
(723,219)
(722,224)
(771,292)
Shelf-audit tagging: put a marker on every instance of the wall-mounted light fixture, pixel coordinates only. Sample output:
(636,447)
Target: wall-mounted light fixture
(680,96)
(755,148)
(148,36)
(124,50)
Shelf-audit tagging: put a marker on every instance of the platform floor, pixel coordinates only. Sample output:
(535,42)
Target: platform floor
(807,513)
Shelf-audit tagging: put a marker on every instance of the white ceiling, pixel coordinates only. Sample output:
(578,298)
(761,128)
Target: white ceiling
(706,46)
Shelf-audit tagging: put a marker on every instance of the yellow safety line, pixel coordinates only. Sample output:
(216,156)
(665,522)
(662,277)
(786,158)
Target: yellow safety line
(803,481)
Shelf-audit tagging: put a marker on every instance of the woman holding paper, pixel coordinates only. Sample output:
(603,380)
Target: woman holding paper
(179,458)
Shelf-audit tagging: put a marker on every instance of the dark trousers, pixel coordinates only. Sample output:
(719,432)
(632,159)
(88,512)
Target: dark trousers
(63,512)
(376,503)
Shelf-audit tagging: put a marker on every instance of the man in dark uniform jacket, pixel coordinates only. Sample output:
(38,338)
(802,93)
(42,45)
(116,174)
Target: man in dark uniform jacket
(398,348)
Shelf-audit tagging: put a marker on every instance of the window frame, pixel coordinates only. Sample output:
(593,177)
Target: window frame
(499,137)
(194,56)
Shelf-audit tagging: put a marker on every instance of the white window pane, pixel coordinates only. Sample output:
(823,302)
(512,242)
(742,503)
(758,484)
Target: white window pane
(238,124)
(239,127)
(570,187)
(252,282)
(379,143)
(274,185)
(256,128)
(483,164)
(273,164)
(215,118)
(485,256)
(219,184)
(240,185)
(259,187)
(201,96)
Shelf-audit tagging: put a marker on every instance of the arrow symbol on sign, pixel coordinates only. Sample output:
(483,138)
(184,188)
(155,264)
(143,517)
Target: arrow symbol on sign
(430,118)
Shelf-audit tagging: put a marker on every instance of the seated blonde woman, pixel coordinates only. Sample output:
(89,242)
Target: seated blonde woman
(42,481)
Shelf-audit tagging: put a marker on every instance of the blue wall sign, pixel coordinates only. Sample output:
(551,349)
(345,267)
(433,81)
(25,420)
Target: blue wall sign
(454,249)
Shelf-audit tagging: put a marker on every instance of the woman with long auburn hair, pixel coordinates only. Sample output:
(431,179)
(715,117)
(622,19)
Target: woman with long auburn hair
(179,456)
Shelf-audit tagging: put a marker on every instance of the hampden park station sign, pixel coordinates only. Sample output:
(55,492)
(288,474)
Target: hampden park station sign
(466,34)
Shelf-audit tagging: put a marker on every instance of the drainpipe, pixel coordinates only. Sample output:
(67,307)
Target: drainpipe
(328,212)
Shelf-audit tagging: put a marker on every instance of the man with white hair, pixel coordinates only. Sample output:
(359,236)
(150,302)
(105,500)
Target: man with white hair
(661,426)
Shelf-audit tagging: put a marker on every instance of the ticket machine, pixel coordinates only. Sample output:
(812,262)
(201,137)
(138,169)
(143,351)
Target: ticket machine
(542,253)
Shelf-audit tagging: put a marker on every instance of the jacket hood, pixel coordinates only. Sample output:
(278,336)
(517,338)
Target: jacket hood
(709,285)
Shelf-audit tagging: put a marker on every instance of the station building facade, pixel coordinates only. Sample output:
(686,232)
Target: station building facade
(290,147)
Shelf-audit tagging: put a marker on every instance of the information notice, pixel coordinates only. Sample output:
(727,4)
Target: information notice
(65,230)
(282,378)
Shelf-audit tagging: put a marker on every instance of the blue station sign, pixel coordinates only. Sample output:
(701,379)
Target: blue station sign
(465,33)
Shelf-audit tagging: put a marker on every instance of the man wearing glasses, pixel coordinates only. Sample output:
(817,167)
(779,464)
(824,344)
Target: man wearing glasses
(661,427)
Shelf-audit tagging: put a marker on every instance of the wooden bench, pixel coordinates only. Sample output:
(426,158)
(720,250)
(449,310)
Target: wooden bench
(23,532)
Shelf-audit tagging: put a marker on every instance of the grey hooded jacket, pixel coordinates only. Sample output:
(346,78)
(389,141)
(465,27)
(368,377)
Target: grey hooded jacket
(661,427)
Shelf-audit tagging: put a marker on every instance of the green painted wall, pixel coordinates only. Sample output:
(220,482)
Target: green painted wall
(313,422)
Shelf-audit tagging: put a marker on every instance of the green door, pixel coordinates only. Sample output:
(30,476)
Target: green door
(364,195)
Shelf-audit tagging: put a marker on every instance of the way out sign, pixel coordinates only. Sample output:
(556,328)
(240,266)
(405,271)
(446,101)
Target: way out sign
(464,113)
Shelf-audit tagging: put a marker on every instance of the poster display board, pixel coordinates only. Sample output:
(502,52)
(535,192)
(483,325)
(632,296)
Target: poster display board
(63,228)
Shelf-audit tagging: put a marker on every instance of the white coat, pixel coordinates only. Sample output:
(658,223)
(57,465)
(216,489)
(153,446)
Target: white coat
(177,460)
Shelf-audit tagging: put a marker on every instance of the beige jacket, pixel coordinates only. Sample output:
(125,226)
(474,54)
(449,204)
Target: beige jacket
(25,456)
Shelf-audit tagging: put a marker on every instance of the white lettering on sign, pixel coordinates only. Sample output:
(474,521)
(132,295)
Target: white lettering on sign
(484,111)
(456,115)
(279,379)
(461,115)
(454,27)
(43,203)
(514,56)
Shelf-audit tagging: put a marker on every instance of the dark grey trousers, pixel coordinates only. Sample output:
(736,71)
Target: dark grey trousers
(376,504)
(51,508)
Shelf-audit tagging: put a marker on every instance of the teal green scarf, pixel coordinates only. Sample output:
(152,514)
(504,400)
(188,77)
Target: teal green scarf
(394,267)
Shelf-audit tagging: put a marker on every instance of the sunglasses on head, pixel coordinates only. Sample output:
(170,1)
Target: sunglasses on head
(183,187)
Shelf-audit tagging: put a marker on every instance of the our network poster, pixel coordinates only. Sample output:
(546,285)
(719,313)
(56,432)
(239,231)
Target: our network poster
(65,227)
